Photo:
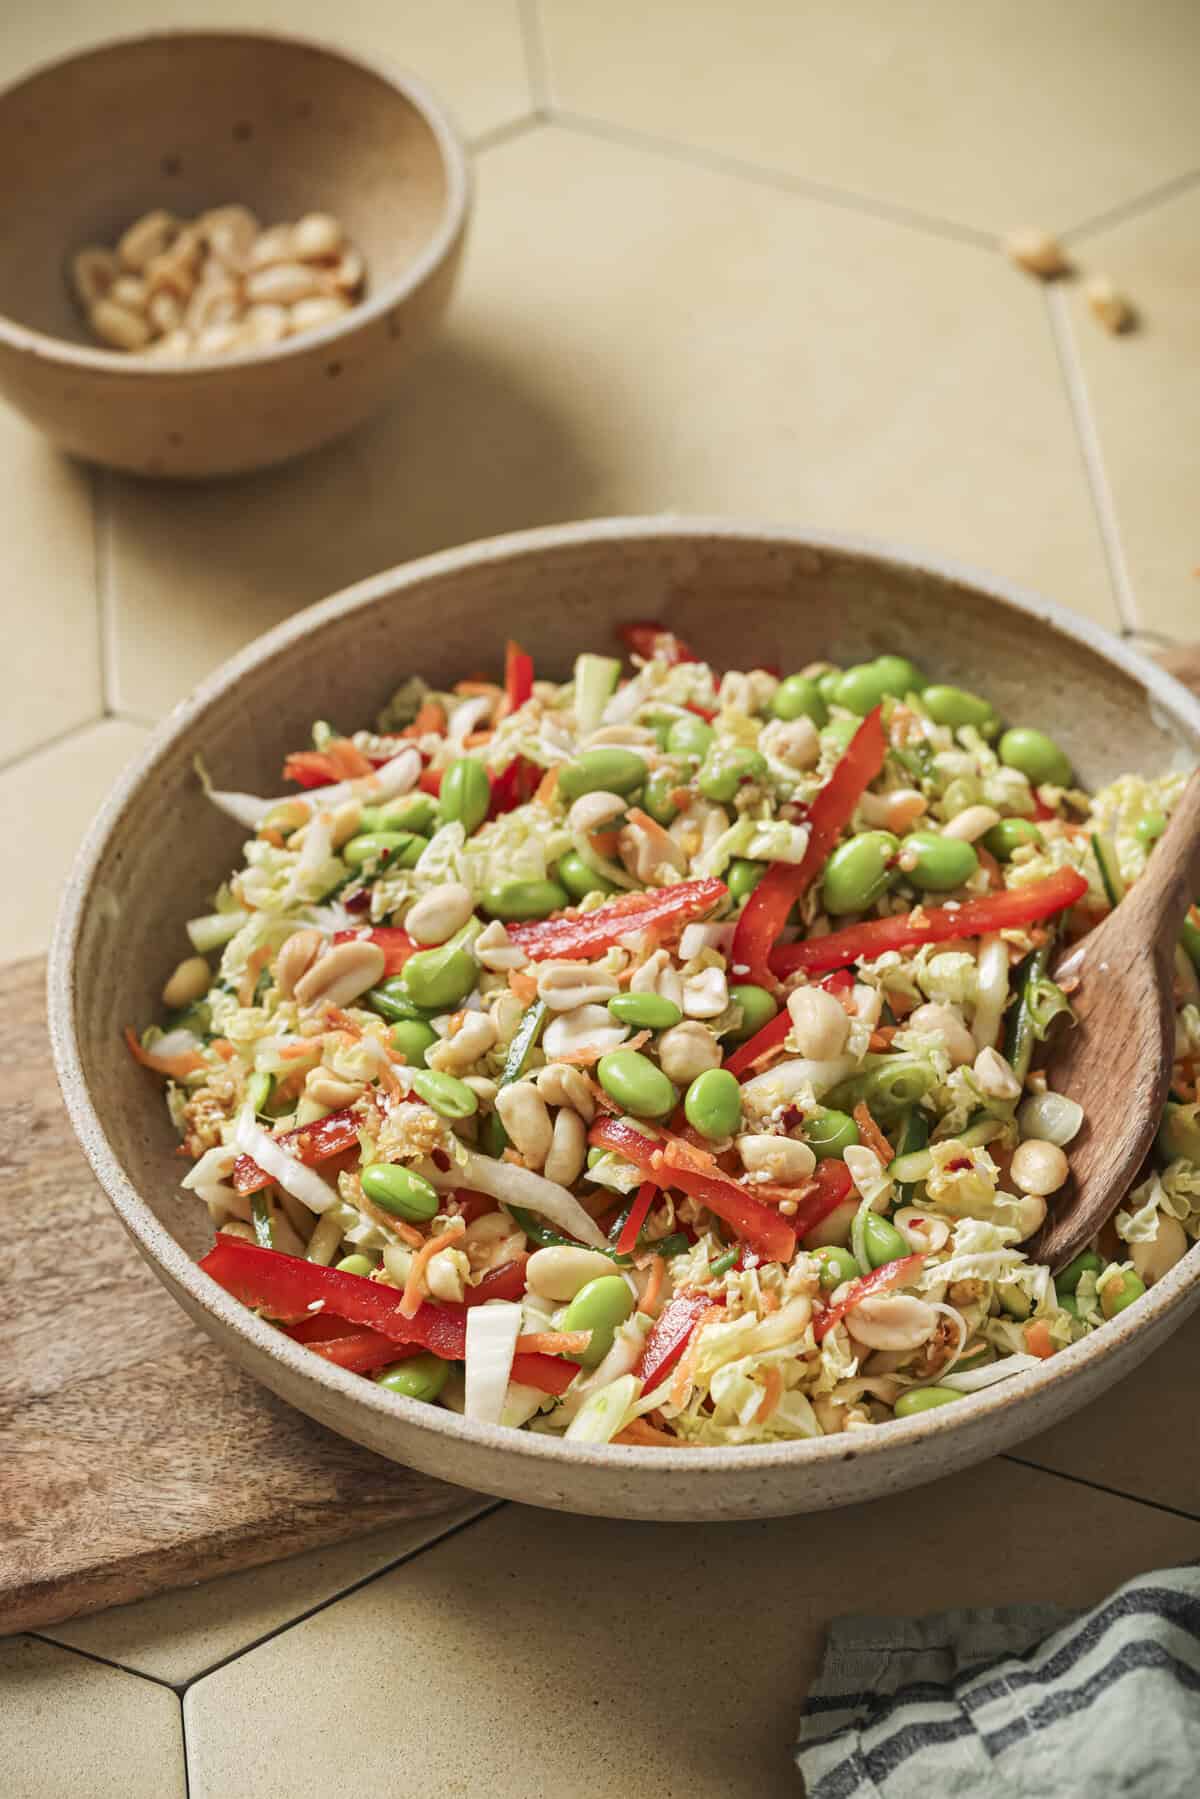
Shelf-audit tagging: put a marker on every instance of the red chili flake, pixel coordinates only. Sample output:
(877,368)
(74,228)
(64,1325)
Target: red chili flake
(358,902)
(440,1160)
(958,1164)
(793,1118)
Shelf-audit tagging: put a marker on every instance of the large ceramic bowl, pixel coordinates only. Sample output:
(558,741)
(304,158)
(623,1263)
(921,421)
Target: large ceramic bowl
(743,595)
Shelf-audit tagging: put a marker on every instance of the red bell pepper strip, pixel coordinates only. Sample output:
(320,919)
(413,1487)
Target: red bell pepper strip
(347,1346)
(880,1280)
(668,1338)
(700,1177)
(650,640)
(514,786)
(773,1033)
(638,1213)
(582,938)
(766,910)
(308,1143)
(430,781)
(287,1287)
(397,945)
(1007,911)
(831,1186)
(518,676)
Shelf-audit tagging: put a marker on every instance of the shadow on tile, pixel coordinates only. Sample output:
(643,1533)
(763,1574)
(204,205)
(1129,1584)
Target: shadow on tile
(470,448)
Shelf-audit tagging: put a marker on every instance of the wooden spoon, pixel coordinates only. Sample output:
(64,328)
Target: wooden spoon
(1116,1062)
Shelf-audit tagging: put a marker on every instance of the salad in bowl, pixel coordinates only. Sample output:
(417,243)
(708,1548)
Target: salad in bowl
(654,1057)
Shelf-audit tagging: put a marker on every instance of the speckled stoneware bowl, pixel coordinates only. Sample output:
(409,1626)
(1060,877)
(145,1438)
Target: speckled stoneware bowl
(743,595)
(187,120)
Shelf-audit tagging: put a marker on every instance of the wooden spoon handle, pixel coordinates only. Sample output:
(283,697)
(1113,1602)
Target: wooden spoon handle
(1171,882)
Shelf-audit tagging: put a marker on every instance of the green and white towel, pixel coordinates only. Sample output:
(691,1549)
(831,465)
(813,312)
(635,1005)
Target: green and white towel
(1029,1701)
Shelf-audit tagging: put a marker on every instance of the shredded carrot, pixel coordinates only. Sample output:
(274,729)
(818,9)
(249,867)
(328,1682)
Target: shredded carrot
(553,1342)
(649,1300)
(523,985)
(642,1435)
(882,1038)
(391,1080)
(605,1102)
(224,1048)
(469,689)
(772,1393)
(769,1303)
(430,718)
(335,1016)
(298,1052)
(255,963)
(682,1384)
(407,1233)
(475,739)
(176,1067)
(410,1299)
(901,1004)
(347,759)
(605,843)
(991,867)
(290,1086)
(547,787)
(871,1134)
(1038,1340)
(681,798)
(509,1154)
(269,834)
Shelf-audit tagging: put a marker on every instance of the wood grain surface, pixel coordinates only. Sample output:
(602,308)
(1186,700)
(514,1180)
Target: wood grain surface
(133,1455)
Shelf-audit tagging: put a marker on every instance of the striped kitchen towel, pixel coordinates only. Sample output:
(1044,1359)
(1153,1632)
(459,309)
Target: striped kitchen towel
(1031,1701)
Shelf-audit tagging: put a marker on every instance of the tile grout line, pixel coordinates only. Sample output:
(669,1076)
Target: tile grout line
(105,1661)
(102,563)
(505,133)
(1132,209)
(718,162)
(184,1687)
(183,1738)
(51,743)
(1097,1486)
(1092,456)
(537,61)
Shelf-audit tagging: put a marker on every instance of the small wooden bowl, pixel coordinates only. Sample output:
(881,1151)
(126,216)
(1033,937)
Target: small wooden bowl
(190,120)
(747,595)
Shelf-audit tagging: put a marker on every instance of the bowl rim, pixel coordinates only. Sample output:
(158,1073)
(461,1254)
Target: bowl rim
(452,151)
(1168,1296)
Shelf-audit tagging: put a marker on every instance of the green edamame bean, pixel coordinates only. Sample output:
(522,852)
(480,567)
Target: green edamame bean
(955,707)
(758,1008)
(465,794)
(1068,1304)
(883,1241)
(393,1001)
(1014,1300)
(411,812)
(639,1088)
(923,1399)
(656,800)
(420,1377)
(861,688)
(901,675)
(412,1037)
(839,732)
(599,1307)
(837,1265)
(449,1097)
(743,876)
(399,1191)
(723,772)
(645,1011)
(1009,835)
(828,683)
(941,862)
(800,697)
(660,723)
(1117,1295)
(437,979)
(1086,1262)
(399,848)
(523,899)
(859,871)
(355,1265)
(713,1104)
(1036,756)
(608,770)
(573,873)
(1150,828)
(830,1133)
(690,736)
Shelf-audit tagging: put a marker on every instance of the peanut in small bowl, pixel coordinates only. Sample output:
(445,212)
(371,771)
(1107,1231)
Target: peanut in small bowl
(183,123)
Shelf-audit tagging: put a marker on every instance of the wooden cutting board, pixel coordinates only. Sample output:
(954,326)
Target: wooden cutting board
(134,1456)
